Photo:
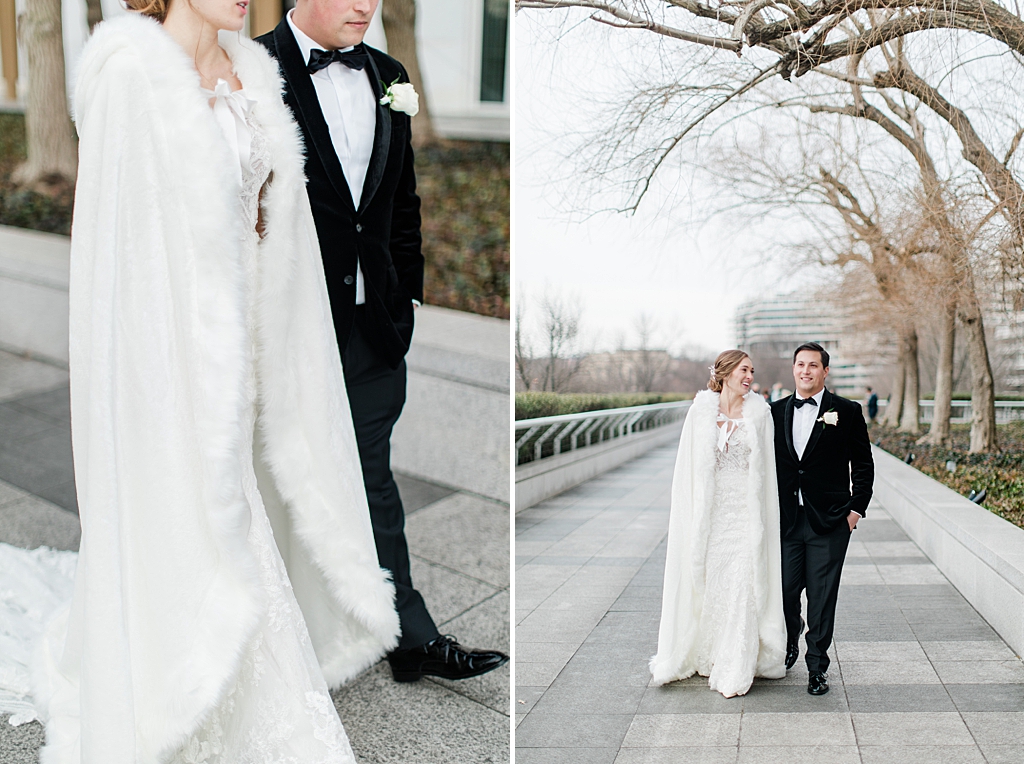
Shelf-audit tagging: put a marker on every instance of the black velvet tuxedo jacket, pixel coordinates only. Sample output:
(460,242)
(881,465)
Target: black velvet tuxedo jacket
(835,456)
(383,234)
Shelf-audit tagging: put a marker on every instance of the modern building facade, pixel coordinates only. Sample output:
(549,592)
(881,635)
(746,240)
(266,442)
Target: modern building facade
(770,328)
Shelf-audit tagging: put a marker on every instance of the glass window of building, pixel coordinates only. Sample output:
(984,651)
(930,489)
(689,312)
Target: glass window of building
(494,51)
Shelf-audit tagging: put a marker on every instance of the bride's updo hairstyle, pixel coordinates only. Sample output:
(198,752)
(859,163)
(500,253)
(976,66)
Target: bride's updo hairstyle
(155,9)
(725,363)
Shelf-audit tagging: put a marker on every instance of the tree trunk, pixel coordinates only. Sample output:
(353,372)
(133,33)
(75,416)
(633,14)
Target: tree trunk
(895,407)
(910,421)
(938,435)
(983,410)
(94,13)
(399,19)
(52,156)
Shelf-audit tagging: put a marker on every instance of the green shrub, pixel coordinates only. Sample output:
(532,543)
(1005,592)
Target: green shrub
(531,405)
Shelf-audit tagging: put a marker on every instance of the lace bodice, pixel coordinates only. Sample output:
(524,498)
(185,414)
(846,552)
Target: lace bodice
(728,645)
(279,710)
(254,177)
(732,455)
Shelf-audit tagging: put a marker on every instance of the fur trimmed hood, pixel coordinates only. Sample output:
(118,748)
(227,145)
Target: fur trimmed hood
(162,362)
(693,491)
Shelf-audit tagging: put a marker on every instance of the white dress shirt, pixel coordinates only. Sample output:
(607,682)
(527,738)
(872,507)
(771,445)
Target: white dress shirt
(348,105)
(803,422)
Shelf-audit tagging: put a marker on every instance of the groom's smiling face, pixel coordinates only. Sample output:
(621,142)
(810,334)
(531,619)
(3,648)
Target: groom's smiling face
(809,373)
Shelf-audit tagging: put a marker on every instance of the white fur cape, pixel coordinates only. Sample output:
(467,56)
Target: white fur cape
(693,489)
(167,593)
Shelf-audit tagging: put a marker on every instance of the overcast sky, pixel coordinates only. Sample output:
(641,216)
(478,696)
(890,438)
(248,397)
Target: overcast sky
(669,260)
(686,274)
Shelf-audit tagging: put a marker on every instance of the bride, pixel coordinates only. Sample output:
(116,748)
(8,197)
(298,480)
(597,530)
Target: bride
(721,614)
(227,574)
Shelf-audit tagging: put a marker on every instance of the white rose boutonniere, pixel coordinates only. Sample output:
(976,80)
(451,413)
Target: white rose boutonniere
(401,96)
(829,418)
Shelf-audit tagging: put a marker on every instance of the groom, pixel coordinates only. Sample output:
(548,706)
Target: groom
(362,188)
(825,471)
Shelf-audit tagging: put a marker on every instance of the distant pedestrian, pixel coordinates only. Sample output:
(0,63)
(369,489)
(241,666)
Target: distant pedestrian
(872,406)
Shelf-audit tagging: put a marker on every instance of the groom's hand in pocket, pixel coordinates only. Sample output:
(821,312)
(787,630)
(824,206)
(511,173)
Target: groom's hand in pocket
(852,519)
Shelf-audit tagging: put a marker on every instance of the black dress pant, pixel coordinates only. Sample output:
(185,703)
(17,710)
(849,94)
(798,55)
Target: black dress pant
(814,563)
(376,394)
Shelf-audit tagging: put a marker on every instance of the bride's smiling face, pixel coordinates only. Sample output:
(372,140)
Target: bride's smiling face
(740,379)
(220,14)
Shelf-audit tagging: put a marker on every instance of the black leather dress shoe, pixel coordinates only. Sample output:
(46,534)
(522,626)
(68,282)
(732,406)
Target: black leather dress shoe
(793,648)
(792,653)
(818,683)
(443,657)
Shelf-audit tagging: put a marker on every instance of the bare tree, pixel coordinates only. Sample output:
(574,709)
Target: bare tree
(554,362)
(650,363)
(911,420)
(956,285)
(94,13)
(52,156)
(524,352)
(561,323)
(399,19)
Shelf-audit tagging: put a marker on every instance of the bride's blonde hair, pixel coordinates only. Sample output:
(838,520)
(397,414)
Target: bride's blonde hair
(725,363)
(156,9)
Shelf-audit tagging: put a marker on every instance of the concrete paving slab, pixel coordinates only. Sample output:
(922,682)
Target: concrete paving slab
(485,625)
(833,754)
(446,592)
(881,698)
(20,745)
(912,728)
(1002,754)
(388,723)
(31,522)
(691,754)
(417,493)
(986,697)
(797,729)
(20,376)
(981,672)
(672,730)
(979,651)
(9,493)
(572,731)
(439,534)
(917,674)
(921,754)
(566,756)
(996,728)
(392,723)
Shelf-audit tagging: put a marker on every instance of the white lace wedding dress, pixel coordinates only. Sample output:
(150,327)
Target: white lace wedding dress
(279,710)
(728,633)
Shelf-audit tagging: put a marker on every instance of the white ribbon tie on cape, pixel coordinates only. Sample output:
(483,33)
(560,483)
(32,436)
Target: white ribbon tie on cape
(725,431)
(230,109)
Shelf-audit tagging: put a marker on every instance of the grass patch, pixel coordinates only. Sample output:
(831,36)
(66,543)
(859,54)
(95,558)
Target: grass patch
(464,186)
(1001,475)
(533,405)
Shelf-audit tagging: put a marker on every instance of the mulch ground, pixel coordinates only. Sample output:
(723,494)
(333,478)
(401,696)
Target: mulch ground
(464,187)
(1001,474)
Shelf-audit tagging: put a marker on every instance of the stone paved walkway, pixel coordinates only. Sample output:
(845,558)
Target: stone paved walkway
(459,543)
(918,677)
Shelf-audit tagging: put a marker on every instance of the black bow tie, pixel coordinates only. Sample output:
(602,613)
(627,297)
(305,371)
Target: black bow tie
(801,401)
(353,59)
